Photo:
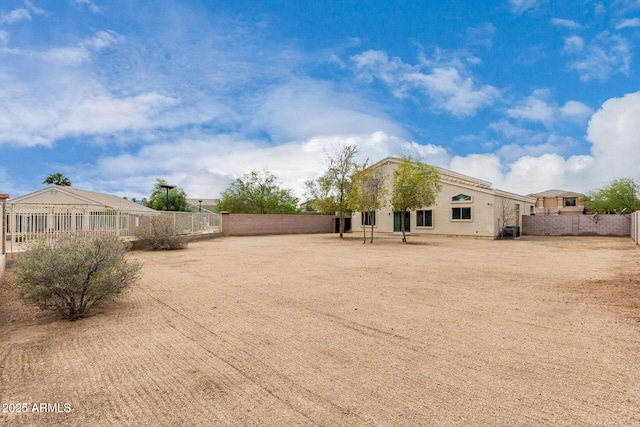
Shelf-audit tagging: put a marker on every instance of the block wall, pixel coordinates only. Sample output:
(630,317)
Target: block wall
(256,224)
(576,225)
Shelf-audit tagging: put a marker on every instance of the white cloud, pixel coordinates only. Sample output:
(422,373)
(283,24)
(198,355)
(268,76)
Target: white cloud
(517,133)
(573,44)
(481,35)
(4,37)
(537,108)
(33,8)
(565,23)
(605,55)
(447,85)
(575,111)
(76,55)
(534,108)
(628,23)
(452,92)
(613,130)
(14,16)
(90,5)
(204,167)
(301,109)
(518,7)
(487,167)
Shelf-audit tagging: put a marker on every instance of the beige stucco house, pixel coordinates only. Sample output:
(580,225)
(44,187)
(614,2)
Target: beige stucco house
(558,202)
(465,206)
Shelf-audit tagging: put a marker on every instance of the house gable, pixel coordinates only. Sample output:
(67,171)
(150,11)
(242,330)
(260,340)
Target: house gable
(54,195)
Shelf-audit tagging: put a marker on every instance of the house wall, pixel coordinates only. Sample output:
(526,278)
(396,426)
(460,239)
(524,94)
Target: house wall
(503,204)
(576,225)
(256,224)
(556,206)
(2,263)
(635,227)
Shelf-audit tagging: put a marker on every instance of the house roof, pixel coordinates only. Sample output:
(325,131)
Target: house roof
(464,180)
(205,202)
(61,195)
(555,193)
(445,174)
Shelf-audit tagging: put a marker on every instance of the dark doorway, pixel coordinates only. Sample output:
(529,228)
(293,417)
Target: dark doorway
(347,225)
(397,225)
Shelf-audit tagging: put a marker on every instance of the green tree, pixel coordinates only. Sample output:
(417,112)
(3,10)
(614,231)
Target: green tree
(415,185)
(331,192)
(258,193)
(320,192)
(617,196)
(368,194)
(57,179)
(75,272)
(158,198)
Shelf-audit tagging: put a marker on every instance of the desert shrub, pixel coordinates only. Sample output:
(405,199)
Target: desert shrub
(75,273)
(159,232)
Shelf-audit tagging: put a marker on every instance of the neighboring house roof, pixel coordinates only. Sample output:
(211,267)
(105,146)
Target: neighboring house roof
(555,193)
(207,204)
(60,195)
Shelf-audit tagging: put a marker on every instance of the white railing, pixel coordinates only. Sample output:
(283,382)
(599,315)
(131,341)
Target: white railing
(26,223)
(194,222)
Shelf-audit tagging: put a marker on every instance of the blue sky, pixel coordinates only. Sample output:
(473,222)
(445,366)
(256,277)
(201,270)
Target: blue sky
(527,94)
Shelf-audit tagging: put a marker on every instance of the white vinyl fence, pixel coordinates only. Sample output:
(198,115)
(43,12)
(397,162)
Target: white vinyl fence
(194,222)
(26,223)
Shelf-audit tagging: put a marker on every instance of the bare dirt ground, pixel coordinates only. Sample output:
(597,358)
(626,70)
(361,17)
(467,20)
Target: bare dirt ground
(311,330)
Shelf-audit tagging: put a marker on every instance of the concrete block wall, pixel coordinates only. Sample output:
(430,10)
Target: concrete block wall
(256,224)
(576,225)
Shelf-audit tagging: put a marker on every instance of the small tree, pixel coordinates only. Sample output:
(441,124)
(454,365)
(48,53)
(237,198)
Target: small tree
(320,193)
(506,215)
(57,179)
(368,192)
(159,232)
(415,185)
(75,273)
(258,192)
(617,196)
(331,192)
(177,198)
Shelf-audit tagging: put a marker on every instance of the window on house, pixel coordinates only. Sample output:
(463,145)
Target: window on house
(460,213)
(424,218)
(461,198)
(368,218)
(570,201)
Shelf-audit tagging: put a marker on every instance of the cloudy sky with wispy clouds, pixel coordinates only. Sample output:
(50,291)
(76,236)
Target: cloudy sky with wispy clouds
(527,94)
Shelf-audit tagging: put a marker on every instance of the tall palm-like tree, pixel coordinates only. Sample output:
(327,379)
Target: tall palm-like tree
(57,179)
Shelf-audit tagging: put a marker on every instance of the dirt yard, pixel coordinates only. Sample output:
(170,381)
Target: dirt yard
(311,330)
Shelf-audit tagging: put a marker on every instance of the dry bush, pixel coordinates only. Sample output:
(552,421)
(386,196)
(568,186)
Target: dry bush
(74,273)
(159,232)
